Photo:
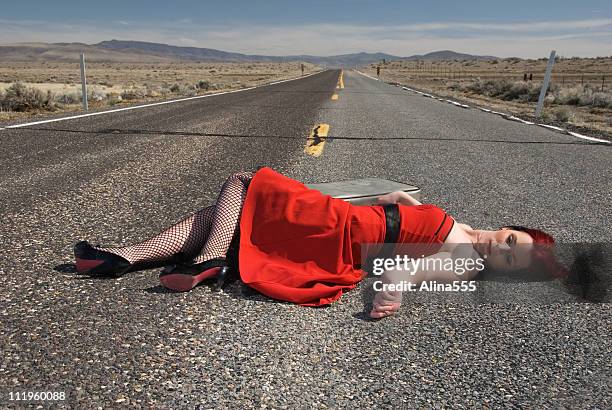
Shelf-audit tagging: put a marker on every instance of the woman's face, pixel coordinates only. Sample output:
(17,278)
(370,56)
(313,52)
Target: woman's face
(505,249)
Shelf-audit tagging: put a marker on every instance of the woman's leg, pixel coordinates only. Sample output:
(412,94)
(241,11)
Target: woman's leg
(186,237)
(226,217)
(205,235)
(211,261)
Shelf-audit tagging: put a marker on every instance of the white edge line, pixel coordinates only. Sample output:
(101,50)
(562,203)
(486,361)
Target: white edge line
(513,118)
(525,121)
(552,127)
(135,107)
(366,75)
(575,134)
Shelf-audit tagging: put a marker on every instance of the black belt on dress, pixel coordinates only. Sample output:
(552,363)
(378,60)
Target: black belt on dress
(392,217)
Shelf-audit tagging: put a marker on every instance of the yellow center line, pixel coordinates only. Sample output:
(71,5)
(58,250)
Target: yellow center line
(316,141)
(341,80)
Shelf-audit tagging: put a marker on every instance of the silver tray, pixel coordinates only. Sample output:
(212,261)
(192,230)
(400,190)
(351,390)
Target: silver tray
(364,191)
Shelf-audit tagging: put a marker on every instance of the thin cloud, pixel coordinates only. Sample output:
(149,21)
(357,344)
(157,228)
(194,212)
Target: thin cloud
(587,38)
(531,26)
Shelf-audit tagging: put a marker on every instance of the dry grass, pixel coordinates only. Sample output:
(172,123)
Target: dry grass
(575,95)
(127,83)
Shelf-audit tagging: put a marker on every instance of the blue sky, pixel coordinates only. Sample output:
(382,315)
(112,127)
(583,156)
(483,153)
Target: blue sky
(502,28)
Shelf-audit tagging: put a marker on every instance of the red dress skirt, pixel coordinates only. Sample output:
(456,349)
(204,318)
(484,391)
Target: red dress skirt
(301,246)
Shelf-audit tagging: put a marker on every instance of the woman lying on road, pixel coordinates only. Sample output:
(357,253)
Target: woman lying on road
(296,244)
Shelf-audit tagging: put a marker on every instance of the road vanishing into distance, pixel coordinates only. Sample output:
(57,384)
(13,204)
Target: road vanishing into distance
(121,177)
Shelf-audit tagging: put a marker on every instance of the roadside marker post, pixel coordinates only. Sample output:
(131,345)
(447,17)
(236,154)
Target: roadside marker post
(549,67)
(83,82)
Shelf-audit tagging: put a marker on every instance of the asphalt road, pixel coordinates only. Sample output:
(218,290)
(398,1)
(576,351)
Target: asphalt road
(119,178)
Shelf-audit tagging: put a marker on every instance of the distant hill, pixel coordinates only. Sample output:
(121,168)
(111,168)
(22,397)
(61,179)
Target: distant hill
(447,55)
(349,60)
(177,52)
(140,52)
(209,54)
(27,52)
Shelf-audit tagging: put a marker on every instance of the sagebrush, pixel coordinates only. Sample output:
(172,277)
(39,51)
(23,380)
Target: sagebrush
(528,91)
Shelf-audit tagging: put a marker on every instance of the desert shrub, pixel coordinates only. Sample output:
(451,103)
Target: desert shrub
(521,90)
(562,114)
(527,91)
(454,86)
(586,95)
(602,100)
(132,94)
(113,98)
(203,85)
(181,89)
(97,95)
(18,97)
(571,96)
(68,98)
(152,91)
(490,88)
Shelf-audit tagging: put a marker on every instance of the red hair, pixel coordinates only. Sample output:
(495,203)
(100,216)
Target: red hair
(543,252)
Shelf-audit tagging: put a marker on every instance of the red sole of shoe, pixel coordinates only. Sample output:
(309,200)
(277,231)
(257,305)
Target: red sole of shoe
(84,265)
(181,282)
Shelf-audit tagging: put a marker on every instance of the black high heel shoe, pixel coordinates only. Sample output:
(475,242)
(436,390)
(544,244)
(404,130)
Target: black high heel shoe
(182,278)
(96,262)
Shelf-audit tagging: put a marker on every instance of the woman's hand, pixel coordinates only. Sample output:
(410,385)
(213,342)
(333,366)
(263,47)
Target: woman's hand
(398,197)
(386,304)
(390,198)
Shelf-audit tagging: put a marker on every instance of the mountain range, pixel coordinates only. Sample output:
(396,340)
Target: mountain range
(140,52)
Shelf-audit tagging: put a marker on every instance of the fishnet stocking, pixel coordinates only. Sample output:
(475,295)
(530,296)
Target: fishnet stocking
(226,216)
(205,235)
(187,236)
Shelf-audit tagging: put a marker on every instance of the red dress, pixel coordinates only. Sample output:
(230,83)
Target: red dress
(301,246)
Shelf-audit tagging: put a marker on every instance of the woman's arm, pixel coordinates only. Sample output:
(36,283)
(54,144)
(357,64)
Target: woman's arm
(415,271)
(398,197)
